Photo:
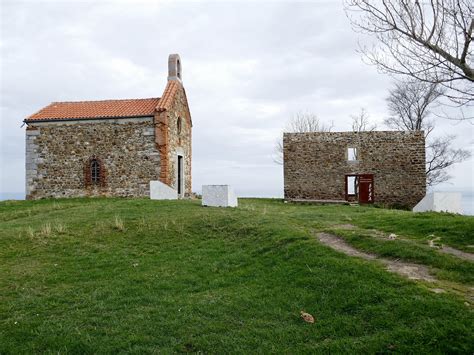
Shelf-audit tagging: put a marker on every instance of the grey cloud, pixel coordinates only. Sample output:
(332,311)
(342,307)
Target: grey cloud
(247,68)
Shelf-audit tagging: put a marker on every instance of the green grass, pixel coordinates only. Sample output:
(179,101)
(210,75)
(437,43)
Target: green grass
(132,275)
(445,267)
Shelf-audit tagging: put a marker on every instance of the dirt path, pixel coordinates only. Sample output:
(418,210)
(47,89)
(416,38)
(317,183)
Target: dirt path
(340,245)
(443,249)
(409,270)
(460,254)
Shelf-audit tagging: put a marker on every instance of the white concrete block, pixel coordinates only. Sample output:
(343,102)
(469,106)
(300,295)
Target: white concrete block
(218,196)
(440,202)
(160,191)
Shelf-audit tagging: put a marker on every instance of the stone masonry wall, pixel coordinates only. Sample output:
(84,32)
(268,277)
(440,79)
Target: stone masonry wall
(180,143)
(315,165)
(57,153)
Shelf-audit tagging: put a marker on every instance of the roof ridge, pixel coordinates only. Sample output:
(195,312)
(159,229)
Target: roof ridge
(82,101)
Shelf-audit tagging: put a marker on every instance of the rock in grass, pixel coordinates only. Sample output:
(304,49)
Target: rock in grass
(308,318)
(435,243)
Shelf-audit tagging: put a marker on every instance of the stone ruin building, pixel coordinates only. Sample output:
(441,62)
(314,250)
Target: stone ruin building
(111,147)
(365,167)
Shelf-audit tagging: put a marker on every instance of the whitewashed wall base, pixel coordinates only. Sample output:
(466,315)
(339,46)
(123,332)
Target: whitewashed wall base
(160,191)
(440,202)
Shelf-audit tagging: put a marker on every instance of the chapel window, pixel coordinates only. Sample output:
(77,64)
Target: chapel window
(179,125)
(95,171)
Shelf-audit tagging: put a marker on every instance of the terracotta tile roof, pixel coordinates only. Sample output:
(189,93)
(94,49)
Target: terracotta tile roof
(97,109)
(168,95)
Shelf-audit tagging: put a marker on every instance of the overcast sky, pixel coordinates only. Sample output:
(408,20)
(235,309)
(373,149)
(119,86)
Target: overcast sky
(247,68)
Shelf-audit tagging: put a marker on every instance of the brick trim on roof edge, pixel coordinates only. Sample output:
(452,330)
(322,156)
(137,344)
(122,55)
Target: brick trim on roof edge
(161,141)
(161,126)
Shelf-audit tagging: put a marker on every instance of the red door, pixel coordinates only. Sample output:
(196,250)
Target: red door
(366,188)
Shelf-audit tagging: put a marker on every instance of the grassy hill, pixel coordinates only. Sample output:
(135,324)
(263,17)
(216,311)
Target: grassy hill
(133,275)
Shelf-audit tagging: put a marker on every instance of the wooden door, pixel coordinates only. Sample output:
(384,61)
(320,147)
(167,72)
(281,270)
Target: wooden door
(366,188)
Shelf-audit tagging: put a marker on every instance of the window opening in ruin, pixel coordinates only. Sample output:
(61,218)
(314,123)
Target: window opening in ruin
(352,185)
(95,171)
(360,188)
(352,154)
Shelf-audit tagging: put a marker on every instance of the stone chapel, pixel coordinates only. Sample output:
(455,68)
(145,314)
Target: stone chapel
(111,147)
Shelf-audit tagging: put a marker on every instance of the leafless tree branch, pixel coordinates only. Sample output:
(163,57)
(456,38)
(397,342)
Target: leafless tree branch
(409,104)
(429,41)
(440,156)
(361,122)
(300,123)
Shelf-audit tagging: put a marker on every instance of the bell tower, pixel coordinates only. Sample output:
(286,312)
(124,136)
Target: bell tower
(174,67)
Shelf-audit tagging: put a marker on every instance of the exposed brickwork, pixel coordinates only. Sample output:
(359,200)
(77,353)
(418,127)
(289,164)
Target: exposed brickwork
(179,143)
(169,142)
(315,165)
(161,140)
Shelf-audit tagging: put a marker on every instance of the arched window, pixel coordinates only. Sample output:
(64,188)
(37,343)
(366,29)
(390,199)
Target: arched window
(95,171)
(179,125)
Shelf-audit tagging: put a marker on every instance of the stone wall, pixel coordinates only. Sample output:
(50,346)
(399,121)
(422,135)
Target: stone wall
(179,143)
(57,154)
(315,165)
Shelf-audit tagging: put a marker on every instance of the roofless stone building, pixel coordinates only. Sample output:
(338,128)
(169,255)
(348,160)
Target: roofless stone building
(111,147)
(386,167)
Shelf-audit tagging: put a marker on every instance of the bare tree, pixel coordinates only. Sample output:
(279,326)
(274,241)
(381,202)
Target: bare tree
(439,157)
(409,104)
(307,122)
(429,41)
(300,123)
(361,122)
